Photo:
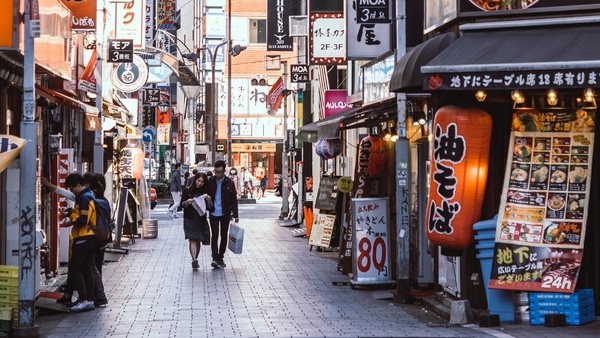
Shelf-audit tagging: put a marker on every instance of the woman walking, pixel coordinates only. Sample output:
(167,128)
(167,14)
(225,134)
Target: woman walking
(195,224)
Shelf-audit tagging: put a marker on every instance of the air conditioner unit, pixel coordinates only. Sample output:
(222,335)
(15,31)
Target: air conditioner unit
(298,25)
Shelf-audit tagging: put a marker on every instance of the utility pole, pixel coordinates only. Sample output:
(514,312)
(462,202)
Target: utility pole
(99,139)
(28,253)
(285,208)
(213,65)
(229,58)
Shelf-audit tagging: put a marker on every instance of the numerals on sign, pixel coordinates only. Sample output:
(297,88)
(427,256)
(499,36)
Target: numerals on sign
(559,282)
(371,254)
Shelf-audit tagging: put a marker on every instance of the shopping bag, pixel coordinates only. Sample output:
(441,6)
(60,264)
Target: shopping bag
(236,238)
(199,203)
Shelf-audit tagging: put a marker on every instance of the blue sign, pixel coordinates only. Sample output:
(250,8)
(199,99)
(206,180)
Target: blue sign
(147,135)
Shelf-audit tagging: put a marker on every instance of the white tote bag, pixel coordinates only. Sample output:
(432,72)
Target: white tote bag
(199,203)
(236,238)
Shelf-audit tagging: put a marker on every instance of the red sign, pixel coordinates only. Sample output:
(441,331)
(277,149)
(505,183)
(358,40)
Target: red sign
(84,14)
(336,101)
(88,78)
(275,97)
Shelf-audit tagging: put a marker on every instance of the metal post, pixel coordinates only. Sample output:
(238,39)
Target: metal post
(99,139)
(229,58)
(192,132)
(213,64)
(285,207)
(28,253)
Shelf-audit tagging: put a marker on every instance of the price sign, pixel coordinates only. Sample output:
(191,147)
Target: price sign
(371,259)
(120,50)
(300,74)
(373,11)
(151,96)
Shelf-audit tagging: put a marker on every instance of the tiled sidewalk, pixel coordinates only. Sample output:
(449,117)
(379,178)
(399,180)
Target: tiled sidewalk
(275,288)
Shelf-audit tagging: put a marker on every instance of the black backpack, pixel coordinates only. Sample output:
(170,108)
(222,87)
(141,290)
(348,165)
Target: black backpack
(103,226)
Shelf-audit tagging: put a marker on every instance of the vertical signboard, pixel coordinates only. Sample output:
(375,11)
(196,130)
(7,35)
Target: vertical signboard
(322,230)
(371,259)
(165,13)
(149,20)
(130,20)
(83,14)
(278,30)
(327,38)
(545,201)
(9,24)
(366,40)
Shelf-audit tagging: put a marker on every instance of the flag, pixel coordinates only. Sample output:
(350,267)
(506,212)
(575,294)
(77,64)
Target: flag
(275,97)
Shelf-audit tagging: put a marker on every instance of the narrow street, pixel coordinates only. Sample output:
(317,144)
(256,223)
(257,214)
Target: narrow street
(277,287)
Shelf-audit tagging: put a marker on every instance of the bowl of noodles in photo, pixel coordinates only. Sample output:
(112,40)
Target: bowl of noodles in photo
(495,5)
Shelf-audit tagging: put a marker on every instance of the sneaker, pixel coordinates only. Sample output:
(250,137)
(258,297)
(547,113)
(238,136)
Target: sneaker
(214,264)
(101,302)
(174,214)
(222,263)
(195,264)
(83,306)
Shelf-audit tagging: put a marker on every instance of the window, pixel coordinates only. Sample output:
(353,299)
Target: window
(258,31)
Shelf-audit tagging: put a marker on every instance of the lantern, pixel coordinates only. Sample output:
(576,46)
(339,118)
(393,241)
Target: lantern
(327,149)
(372,151)
(459,167)
(132,162)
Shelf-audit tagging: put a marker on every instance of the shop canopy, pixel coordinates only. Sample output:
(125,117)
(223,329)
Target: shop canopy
(66,99)
(407,72)
(527,54)
(364,116)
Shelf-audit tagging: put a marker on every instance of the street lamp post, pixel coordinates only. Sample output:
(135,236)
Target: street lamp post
(285,207)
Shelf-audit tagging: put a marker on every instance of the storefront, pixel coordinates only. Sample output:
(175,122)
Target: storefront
(249,155)
(540,167)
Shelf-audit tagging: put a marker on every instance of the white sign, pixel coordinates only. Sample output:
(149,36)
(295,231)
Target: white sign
(366,41)
(162,134)
(239,31)
(322,230)
(371,241)
(328,39)
(130,77)
(130,22)
(149,19)
(376,77)
(215,25)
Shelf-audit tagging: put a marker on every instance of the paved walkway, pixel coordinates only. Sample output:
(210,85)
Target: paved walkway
(275,288)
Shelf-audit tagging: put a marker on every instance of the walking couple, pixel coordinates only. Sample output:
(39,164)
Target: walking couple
(220,199)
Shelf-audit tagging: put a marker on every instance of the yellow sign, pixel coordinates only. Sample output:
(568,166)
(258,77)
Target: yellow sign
(253,147)
(10,147)
(7,29)
(345,184)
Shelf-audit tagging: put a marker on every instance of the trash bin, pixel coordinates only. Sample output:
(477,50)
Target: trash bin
(149,228)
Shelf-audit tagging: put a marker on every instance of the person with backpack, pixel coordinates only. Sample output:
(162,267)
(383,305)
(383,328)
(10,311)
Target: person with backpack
(82,268)
(195,223)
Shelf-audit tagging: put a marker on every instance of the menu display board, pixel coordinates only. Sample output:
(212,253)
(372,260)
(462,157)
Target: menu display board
(327,195)
(322,230)
(544,206)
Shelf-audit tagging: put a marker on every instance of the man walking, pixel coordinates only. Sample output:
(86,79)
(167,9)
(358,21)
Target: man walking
(222,191)
(175,190)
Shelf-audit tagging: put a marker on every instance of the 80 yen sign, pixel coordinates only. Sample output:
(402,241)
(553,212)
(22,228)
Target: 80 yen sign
(371,254)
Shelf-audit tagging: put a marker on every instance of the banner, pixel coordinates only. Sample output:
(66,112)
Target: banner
(83,14)
(278,30)
(165,13)
(129,22)
(88,78)
(544,206)
(275,97)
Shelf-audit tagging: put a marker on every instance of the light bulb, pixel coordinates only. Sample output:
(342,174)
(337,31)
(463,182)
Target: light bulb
(517,96)
(552,97)
(422,121)
(588,95)
(480,95)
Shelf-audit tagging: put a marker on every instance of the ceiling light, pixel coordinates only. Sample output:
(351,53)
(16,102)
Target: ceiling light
(552,97)
(480,95)
(517,95)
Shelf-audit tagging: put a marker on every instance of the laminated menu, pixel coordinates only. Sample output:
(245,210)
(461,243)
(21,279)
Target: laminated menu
(544,206)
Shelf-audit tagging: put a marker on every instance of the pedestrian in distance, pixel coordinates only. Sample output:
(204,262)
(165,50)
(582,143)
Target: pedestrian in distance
(192,178)
(184,181)
(261,175)
(175,190)
(195,224)
(236,181)
(223,194)
(82,262)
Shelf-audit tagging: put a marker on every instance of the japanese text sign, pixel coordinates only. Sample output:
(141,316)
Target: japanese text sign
(130,20)
(299,74)
(165,13)
(371,259)
(120,50)
(83,14)
(278,30)
(365,40)
(322,230)
(544,206)
(327,38)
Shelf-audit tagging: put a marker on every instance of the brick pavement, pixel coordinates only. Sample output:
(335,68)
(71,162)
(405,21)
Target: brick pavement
(275,288)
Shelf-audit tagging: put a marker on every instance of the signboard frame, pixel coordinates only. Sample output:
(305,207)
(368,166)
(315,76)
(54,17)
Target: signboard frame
(359,277)
(317,55)
(120,51)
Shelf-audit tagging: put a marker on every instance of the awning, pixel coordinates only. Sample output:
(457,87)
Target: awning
(53,94)
(364,116)
(187,76)
(407,72)
(559,56)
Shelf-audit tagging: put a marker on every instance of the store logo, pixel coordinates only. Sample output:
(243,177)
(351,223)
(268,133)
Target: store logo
(495,5)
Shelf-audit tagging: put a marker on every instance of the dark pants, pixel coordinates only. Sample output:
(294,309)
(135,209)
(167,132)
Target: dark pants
(82,267)
(219,226)
(99,261)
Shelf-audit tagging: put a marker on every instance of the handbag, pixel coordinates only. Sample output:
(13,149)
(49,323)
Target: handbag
(199,203)
(235,243)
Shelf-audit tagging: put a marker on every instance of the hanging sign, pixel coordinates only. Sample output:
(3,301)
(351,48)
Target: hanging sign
(327,38)
(130,77)
(345,184)
(120,50)
(299,74)
(130,20)
(458,175)
(83,14)
(151,96)
(336,101)
(373,11)
(278,30)
(88,78)
(371,259)
(322,230)
(132,162)
(545,201)
(365,41)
